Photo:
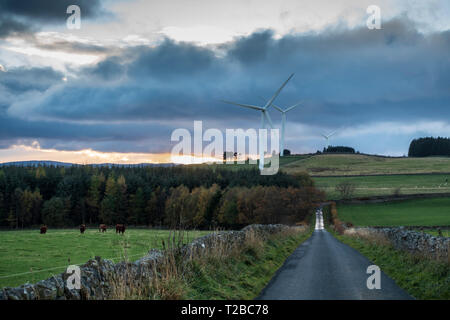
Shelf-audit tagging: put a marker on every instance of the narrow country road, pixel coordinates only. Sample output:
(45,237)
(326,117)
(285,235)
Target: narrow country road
(324,268)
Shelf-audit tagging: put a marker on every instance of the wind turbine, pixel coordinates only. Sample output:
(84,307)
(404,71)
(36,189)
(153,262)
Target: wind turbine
(328,136)
(264,115)
(283,122)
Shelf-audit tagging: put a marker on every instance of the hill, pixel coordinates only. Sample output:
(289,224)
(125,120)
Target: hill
(357,164)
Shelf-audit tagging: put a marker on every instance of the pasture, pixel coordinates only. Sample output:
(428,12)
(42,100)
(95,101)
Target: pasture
(27,256)
(356,164)
(366,186)
(417,212)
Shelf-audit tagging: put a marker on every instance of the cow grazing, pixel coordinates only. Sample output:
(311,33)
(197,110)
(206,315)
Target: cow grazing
(102,228)
(43,229)
(82,228)
(120,228)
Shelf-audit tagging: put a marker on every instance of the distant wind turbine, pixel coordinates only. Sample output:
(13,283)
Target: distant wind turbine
(264,115)
(328,136)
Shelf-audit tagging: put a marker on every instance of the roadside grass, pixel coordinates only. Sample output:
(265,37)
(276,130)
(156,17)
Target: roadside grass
(445,233)
(221,273)
(420,276)
(356,164)
(366,186)
(417,212)
(30,252)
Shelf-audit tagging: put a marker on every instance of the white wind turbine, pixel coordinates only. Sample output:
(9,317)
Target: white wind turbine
(328,136)
(283,122)
(264,115)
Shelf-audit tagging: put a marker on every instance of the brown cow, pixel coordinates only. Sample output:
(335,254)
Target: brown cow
(102,228)
(82,228)
(120,228)
(43,229)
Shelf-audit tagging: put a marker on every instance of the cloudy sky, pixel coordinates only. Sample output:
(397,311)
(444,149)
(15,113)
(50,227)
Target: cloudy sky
(114,90)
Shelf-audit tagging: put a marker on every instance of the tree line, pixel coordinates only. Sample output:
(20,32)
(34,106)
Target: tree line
(338,149)
(429,146)
(195,197)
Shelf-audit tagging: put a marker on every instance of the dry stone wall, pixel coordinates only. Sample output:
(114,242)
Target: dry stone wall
(412,241)
(98,275)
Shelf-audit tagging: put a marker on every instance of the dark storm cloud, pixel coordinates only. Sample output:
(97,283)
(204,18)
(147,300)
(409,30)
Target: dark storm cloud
(10,26)
(345,77)
(24,17)
(20,80)
(75,136)
(171,59)
(252,49)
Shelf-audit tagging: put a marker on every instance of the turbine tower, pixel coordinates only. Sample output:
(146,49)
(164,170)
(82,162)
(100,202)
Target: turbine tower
(283,122)
(264,115)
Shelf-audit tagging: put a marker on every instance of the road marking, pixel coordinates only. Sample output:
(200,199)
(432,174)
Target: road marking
(319,220)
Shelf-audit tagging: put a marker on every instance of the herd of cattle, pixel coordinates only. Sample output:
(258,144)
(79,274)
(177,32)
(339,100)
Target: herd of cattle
(120,228)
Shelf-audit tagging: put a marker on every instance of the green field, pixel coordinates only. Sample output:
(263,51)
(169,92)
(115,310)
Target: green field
(40,256)
(386,185)
(354,164)
(419,212)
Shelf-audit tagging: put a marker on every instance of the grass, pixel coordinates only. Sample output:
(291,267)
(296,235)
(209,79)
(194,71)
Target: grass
(445,233)
(30,252)
(418,212)
(223,270)
(241,276)
(421,277)
(354,164)
(385,185)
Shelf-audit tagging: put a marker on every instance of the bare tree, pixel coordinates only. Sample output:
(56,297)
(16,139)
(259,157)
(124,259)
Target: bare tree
(346,189)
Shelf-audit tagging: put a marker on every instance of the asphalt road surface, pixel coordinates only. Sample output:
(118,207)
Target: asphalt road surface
(323,268)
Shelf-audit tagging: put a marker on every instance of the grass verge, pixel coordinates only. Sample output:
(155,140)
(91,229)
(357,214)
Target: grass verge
(243,275)
(420,276)
(221,271)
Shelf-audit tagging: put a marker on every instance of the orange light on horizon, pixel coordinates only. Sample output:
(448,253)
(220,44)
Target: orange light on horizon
(34,152)
(84,156)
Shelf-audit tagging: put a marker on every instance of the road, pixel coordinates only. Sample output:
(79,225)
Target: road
(323,268)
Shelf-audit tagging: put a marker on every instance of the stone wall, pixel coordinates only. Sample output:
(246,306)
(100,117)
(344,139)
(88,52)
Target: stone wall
(99,275)
(409,240)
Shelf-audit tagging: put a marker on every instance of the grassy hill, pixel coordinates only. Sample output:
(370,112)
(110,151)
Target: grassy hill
(382,185)
(370,175)
(355,164)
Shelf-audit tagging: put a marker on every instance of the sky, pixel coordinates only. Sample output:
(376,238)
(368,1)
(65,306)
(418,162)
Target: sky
(115,89)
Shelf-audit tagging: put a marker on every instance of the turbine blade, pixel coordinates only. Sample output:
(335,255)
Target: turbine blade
(278,108)
(332,133)
(277,92)
(244,105)
(269,120)
(294,106)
